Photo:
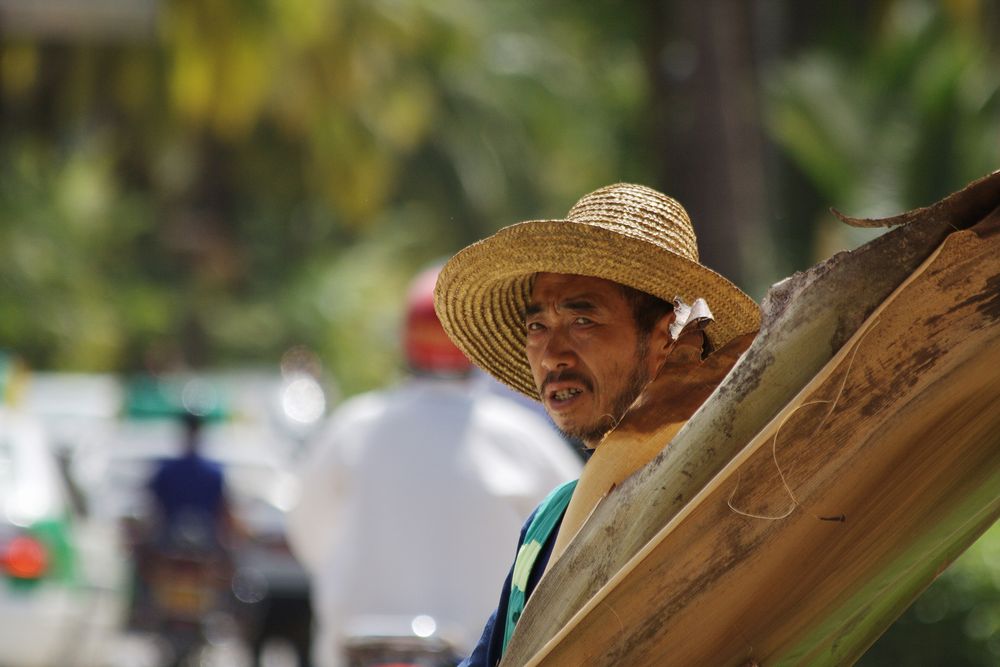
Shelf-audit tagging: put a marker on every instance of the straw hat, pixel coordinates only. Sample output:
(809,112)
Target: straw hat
(629,234)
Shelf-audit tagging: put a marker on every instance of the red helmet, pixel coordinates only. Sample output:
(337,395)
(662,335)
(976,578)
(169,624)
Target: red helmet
(427,347)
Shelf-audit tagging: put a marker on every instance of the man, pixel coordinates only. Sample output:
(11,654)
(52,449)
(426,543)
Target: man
(189,495)
(190,520)
(410,496)
(579,314)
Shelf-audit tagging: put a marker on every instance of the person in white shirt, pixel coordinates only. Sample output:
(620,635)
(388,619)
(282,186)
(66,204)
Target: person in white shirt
(411,497)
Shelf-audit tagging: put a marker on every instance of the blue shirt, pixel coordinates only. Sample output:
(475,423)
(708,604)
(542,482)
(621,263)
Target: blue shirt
(189,488)
(489,650)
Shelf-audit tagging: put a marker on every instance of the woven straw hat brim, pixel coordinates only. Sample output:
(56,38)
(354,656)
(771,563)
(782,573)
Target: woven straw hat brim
(483,290)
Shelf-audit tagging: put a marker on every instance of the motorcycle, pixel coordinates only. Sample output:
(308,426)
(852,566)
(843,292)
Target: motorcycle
(183,588)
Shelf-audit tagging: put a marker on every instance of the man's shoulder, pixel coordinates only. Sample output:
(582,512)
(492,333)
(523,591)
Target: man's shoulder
(413,397)
(187,465)
(502,416)
(166,465)
(368,406)
(504,408)
(350,422)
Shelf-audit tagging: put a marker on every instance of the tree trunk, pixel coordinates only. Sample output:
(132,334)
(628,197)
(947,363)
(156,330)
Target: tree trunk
(704,123)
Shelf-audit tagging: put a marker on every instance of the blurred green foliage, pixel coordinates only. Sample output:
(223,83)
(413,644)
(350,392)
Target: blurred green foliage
(247,176)
(254,175)
(884,120)
(956,621)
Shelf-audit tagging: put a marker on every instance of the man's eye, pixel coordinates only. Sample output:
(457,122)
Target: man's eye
(582,320)
(534,326)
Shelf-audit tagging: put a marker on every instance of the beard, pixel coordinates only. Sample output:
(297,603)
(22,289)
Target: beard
(591,434)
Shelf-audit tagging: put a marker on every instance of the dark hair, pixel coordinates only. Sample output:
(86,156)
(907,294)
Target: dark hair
(646,308)
(193,422)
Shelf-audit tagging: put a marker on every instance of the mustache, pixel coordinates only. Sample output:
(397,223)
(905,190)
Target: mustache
(566,376)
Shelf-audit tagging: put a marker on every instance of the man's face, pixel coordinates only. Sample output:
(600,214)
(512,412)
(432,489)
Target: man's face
(586,354)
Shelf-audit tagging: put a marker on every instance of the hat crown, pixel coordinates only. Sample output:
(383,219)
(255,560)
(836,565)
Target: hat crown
(640,212)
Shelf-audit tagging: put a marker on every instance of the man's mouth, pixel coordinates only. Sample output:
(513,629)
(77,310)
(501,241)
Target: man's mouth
(561,389)
(565,394)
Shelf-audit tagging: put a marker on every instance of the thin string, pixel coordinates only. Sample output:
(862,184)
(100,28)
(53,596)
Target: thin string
(621,626)
(774,446)
(751,662)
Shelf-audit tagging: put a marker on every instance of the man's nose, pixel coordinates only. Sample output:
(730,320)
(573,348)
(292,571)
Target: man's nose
(558,353)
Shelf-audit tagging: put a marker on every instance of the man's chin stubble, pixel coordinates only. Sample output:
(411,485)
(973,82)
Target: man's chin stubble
(591,436)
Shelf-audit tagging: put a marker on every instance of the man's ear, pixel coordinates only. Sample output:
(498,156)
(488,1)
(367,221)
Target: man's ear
(660,339)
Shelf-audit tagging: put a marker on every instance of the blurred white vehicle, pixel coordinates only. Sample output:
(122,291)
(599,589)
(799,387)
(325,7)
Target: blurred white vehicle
(62,575)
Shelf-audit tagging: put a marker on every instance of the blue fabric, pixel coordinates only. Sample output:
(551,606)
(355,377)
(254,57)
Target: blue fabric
(548,517)
(189,487)
(489,650)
